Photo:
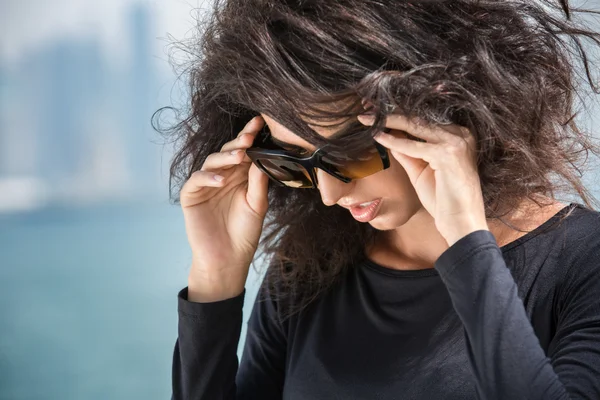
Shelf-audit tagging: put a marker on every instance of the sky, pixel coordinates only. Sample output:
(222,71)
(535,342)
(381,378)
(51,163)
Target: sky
(28,24)
(28,28)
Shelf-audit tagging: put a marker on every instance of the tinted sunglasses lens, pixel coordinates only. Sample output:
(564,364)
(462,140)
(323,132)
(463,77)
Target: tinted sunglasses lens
(364,164)
(287,172)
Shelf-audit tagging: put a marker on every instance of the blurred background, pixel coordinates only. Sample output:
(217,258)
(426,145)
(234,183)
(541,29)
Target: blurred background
(92,254)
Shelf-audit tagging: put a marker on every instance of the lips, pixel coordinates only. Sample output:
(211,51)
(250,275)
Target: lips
(358,204)
(367,212)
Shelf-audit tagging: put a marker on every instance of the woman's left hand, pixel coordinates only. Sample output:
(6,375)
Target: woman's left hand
(443,171)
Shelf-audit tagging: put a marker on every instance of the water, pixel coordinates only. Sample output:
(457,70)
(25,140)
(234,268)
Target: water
(88,302)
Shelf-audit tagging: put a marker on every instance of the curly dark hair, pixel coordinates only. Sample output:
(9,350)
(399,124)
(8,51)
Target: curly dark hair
(507,70)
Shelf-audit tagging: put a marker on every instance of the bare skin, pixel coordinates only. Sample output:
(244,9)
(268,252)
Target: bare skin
(409,239)
(386,254)
(225,203)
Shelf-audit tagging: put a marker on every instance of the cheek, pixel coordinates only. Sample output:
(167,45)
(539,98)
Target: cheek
(397,170)
(392,183)
(396,178)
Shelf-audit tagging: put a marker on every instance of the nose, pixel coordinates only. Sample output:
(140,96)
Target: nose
(331,189)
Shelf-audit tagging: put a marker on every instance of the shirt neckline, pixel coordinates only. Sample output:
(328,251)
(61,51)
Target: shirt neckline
(540,229)
(421,273)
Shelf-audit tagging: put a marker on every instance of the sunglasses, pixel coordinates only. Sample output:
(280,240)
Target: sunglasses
(294,168)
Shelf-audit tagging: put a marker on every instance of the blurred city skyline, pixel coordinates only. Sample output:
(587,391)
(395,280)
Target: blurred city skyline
(75,113)
(78,88)
(49,21)
(92,255)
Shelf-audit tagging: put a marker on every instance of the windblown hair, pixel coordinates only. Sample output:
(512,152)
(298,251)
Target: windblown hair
(506,69)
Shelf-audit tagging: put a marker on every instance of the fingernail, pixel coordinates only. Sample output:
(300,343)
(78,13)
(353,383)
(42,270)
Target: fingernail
(234,152)
(366,118)
(218,178)
(382,135)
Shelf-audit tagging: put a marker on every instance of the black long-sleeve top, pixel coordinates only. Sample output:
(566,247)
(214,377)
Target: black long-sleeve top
(521,321)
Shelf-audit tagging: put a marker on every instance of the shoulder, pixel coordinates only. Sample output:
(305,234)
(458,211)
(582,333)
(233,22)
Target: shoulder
(563,236)
(581,233)
(579,253)
(571,233)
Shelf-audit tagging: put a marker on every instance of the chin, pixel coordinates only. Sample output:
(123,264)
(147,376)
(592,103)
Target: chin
(383,223)
(389,221)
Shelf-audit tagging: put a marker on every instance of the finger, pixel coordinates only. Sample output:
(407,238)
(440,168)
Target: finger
(241,142)
(413,166)
(258,183)
(411,148)
(415,127)
(246,136)
(223,160)
(253,126)
(201,179)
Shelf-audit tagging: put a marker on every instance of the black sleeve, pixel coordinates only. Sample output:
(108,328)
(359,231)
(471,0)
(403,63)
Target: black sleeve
(505,354)
(205,363)
(262,368)
(204,359)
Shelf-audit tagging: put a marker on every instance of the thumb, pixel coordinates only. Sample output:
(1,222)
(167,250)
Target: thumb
(257,196)
(412,166)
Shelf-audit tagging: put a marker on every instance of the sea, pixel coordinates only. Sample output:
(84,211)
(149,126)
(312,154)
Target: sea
(88,301)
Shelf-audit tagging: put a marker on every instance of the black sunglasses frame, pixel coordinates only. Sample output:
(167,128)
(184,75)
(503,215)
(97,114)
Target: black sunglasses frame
(263,149)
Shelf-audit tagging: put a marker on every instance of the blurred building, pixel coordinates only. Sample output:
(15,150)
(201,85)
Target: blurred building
(75,124)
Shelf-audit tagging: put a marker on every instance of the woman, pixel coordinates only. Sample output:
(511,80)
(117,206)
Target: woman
(434,261)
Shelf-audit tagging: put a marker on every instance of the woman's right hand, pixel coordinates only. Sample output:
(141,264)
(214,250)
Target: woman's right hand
(224,219)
